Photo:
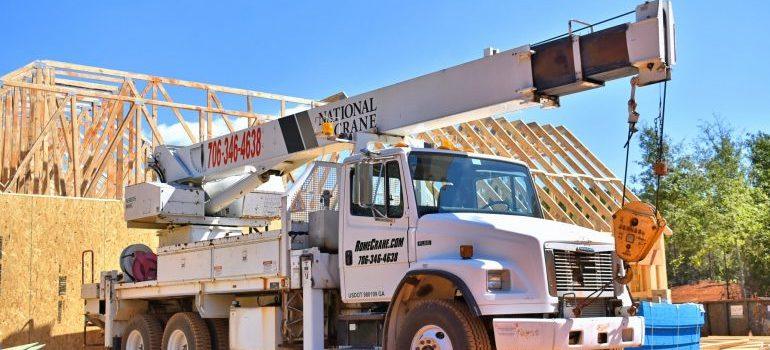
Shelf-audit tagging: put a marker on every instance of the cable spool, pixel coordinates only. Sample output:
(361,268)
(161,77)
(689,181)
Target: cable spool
(138,263)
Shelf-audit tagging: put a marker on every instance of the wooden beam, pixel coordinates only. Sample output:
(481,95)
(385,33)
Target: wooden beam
(103,73)
(38,141)
(76,166)
(5,114)
(118,138)
(101,95)
(577,187)
(178,114)
(218,103)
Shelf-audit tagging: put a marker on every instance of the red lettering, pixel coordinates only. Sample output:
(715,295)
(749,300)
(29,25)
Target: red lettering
(219,153)
(230,149)
(258,142)
(235,148)
(227,151)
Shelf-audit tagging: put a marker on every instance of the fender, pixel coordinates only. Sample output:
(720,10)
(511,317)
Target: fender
(467,295)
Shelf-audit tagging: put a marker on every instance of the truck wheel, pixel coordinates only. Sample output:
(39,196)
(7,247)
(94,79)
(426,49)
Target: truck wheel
(186,331)
(219,329)
(144,332)
(442,324)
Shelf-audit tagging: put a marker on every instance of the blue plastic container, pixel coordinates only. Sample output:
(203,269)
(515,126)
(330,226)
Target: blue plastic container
(671,326)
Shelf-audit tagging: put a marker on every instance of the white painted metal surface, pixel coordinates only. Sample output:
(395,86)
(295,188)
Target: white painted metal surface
(255,258)
(155,290)
(262,204)
(195,233)
(324,229)
(312,309)
(184,265)
(325,274)
(148,200)
(513,243)
(255,328)
(242,255)
(377,246)
(494,84)
(528,333)
(247,255)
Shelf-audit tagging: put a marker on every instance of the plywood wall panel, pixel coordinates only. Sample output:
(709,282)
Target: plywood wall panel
(47,236)
(15,224)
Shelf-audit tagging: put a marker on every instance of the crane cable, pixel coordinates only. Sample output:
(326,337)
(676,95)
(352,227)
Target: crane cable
(633,118)
(660,167)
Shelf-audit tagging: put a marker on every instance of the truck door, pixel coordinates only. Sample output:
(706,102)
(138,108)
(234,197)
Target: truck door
(374,241)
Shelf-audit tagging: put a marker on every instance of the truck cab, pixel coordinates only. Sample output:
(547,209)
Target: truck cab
(463,234)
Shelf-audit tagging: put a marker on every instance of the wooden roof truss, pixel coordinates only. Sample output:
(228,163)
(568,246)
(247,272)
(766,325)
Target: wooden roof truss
(573,185)
(75,130)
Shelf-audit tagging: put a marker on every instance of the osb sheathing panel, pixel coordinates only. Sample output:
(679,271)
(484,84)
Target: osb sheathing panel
(43,238)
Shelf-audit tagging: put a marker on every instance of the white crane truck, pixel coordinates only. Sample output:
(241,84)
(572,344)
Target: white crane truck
(402,246)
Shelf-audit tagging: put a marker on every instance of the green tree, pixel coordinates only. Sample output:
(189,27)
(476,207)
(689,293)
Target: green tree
(759,174)
(731,219)
(718,216)
(759,156)
(683,185)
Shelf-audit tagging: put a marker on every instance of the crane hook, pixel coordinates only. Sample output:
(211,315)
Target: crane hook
(633,115)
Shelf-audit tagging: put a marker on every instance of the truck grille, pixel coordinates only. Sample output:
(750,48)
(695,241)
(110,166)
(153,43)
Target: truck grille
(581,272)
(596,308)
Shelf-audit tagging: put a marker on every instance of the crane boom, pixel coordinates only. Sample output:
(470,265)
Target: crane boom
(373,242)
(500,82)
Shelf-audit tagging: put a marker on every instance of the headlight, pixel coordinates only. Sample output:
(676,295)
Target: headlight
(497,280)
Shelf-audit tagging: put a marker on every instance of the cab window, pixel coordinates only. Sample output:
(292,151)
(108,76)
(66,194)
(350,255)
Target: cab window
(387,196)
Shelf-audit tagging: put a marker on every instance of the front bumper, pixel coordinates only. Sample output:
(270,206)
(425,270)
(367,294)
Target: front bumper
(568,333)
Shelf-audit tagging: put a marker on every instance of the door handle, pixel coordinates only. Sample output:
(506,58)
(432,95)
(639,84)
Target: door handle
(348,257)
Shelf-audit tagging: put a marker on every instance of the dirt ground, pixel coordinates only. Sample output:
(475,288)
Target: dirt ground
(704,291)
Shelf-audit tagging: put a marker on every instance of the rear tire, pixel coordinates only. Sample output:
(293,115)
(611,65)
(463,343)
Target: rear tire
(219,330)
(439,324)
(144,332)
(186,331)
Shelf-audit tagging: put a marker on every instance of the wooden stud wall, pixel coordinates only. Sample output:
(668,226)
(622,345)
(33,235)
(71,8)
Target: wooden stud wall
(43,237)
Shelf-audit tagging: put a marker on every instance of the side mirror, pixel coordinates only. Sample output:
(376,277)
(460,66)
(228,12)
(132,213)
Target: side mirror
(362,187)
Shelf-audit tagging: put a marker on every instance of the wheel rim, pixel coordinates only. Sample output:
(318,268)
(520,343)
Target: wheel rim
(431,337)
(135,341)
(177,341)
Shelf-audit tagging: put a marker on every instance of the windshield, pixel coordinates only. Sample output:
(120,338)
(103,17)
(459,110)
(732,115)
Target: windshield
(459,183)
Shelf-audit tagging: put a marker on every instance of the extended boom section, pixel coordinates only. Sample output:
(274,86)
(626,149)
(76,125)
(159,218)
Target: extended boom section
(499,83)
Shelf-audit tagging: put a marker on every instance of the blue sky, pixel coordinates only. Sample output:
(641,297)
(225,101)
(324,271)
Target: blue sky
(314,49)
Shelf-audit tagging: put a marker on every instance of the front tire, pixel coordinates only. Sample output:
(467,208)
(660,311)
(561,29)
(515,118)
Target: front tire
(442,324)
(186,331)
(144,332)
